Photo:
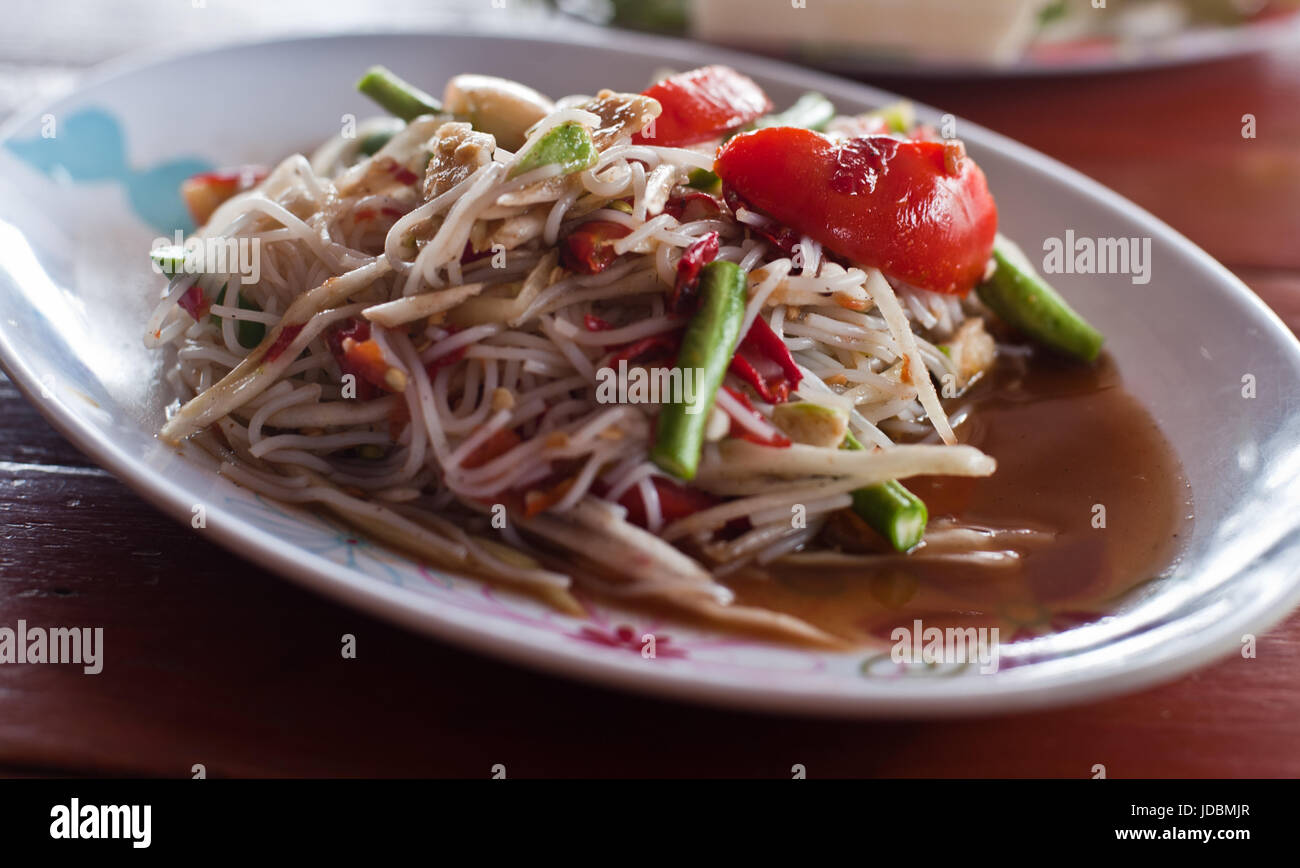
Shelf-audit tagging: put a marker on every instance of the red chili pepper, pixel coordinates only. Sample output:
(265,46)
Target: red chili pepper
(908,208)
(589,249)
(675,501)
(194,303)
(594,323)
(761,340)
(701,252)
(783,238)
(282,341)
(357,329)
(762,344)
(653,347)
(776,392)
(450,358)
(703,104)
(778,440)
(743,399)
(443,361)
(471,255)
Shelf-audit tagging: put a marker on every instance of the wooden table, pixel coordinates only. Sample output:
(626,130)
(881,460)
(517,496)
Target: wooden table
(218,662)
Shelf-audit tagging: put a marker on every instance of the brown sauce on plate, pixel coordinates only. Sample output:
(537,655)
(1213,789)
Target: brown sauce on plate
(1068,438)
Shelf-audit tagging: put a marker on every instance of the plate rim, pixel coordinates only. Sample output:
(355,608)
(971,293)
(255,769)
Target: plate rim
(420,613)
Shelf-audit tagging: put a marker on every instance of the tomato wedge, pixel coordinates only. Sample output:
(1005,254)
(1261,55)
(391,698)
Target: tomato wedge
(918,211)
(703,104)
(589,249)
(203,193)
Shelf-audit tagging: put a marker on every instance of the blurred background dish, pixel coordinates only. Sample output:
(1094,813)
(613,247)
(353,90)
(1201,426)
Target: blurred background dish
(944,37)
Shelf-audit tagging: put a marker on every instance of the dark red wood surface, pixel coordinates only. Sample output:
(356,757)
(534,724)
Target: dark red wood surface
(215,661)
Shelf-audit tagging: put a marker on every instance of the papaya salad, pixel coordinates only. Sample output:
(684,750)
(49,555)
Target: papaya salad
(629,343)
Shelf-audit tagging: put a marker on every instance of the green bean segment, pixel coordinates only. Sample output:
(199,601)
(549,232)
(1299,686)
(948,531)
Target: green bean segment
(398,97)
(707,347)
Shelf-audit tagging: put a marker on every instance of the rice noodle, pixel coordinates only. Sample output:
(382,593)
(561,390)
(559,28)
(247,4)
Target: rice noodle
(429,358)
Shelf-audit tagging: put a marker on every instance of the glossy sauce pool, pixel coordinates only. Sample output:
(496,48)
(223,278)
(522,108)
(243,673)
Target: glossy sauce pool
(1068,439)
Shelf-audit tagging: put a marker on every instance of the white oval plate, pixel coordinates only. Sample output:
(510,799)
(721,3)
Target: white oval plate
(75,221)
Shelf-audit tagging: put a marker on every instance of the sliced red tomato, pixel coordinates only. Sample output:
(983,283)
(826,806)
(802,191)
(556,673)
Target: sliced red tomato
(203,193)
(918,211)
(703,104)
(589,249)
